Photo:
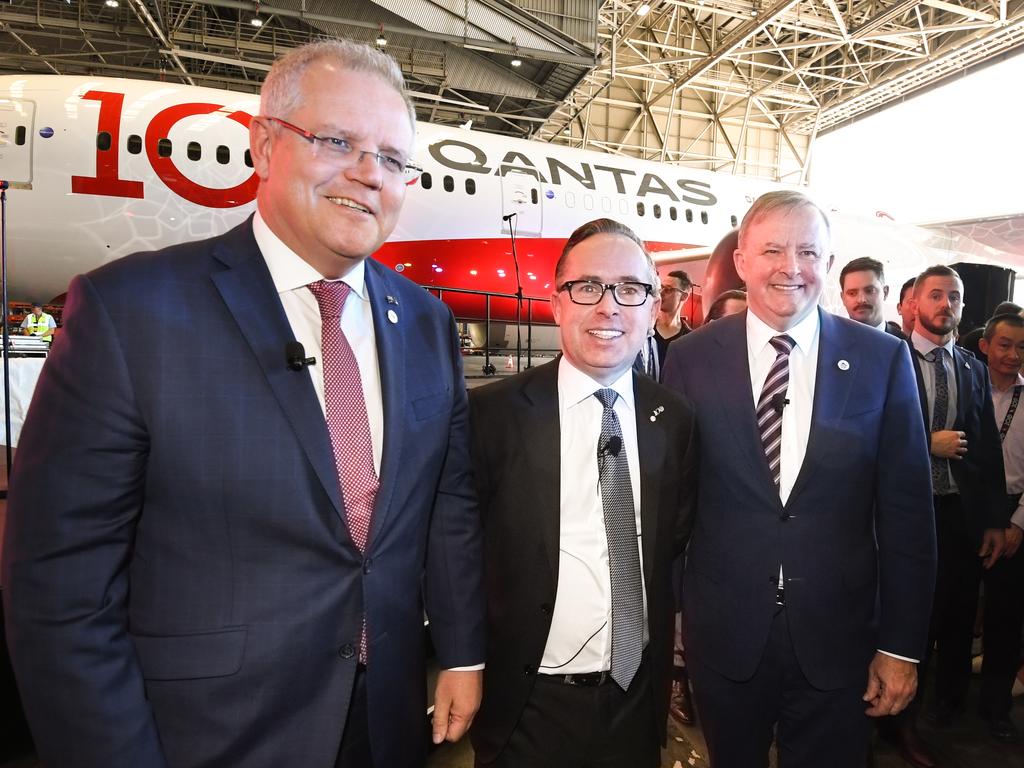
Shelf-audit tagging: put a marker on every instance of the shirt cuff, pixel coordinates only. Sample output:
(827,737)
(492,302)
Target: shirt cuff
(901,658)
(472,668)
(1017,518)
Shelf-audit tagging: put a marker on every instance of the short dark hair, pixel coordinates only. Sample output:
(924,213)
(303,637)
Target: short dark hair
(936,270)
(602,227)
(1010,318)
(863,264)
(1006,308)
(907,286)
(682,277)
(36,304)
(717,308)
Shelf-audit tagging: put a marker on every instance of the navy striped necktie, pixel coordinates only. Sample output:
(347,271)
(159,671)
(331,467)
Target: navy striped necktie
(771,403)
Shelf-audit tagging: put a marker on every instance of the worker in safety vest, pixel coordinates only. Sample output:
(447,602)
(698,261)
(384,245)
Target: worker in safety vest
(38,323)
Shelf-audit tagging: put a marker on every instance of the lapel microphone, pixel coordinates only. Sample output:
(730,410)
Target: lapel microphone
(779,402)
(613,446)
(295,356)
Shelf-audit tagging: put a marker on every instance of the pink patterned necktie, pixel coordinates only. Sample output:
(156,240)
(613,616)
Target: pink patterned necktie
(347,421)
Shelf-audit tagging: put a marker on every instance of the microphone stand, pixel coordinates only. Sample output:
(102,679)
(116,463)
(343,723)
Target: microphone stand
(519,293)
(6,333)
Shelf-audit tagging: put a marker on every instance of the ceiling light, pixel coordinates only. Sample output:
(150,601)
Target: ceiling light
(643,10)
(256,21)
(381,41)
(516,62)
(111,3)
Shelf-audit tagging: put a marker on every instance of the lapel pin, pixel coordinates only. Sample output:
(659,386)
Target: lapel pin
(392,300)
(657,411)
(842,365)
(392,316)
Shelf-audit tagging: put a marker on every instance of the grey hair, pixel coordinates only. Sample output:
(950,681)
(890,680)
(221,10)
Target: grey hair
(281,94)
(784,200)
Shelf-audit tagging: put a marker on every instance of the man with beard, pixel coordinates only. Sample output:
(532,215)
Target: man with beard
(967,479)
(863,289)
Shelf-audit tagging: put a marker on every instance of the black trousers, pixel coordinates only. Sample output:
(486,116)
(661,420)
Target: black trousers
(1004,621)
(568,726)
(812,728)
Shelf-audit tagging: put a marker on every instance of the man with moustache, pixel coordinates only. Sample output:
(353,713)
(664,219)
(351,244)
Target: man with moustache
(584,470)
(967,479)
(863,289)
(809,573)
(218,552)
(1003,343)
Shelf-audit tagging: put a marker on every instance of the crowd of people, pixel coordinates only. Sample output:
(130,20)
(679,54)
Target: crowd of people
(217,558)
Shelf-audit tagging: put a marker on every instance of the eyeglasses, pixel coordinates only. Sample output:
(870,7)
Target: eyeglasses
(343,155)
(673,289)
(626,294)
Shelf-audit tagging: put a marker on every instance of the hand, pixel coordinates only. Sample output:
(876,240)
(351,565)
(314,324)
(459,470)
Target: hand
(949,444)
(1013,536)
(993,542)
(456,700)
(892,683)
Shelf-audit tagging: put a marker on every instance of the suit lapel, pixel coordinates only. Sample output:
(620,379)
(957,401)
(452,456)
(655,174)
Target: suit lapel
(391,361)
(248,291)
(650,437)
(540,439)
(961,369)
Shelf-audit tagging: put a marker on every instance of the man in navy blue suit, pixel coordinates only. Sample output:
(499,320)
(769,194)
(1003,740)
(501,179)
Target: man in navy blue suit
(218,553)
(811,565)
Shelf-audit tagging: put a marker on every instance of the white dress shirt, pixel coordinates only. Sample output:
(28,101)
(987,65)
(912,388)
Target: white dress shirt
(1013,443)
(291,274)
(923,346)
(580,639)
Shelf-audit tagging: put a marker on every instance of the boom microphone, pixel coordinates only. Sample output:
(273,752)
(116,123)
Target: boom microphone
(295,356)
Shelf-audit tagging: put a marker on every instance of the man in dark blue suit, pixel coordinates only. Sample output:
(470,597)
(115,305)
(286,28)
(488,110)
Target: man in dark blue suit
(218,554)
(811,565)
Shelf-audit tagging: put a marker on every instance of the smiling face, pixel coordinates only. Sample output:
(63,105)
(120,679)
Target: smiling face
(603,339)
(1005,350)
(331,216)
(863,297)
(783,259)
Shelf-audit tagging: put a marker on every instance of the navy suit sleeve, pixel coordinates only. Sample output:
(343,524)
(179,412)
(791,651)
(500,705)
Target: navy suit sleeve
(76,496)
(904,520)
(454,578)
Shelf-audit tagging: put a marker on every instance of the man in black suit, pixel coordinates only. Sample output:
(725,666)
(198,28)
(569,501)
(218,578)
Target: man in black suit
(809,575)
(584,470)
(967,477)
(863,290)
(904,307)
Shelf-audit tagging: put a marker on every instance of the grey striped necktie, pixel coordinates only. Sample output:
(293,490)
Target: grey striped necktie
(770,405)
(940,418)
(623,554)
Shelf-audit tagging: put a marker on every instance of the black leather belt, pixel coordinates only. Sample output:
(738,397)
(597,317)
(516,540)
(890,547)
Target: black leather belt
(585,679)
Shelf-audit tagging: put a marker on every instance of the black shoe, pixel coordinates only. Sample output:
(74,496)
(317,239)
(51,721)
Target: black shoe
(1001,728)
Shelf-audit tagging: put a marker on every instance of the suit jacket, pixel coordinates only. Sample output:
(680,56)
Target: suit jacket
(979,475)
(516,453)
(856,538)
(181,587)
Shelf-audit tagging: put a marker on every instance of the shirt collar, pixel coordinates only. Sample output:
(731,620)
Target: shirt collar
(289,271)
(759,333)
(881,325)
(574,386)
(924,346)
(1018,383)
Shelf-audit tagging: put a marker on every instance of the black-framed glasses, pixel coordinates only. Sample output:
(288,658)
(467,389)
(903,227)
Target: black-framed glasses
(673,289)
(341,152)
(626,294)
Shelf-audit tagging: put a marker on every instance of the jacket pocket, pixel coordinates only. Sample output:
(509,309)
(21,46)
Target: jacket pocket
(217,653)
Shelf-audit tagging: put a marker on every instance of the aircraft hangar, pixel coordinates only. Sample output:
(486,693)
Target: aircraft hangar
(735,86)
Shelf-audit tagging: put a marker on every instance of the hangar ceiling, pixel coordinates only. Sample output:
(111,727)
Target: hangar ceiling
(741,86)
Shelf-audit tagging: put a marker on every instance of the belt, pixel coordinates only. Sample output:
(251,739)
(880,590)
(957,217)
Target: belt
(584,679)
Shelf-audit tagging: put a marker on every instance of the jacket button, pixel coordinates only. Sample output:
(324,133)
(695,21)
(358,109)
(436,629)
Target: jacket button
(367,565)
(527,670)
(785,517)
(545,607)
(347,651)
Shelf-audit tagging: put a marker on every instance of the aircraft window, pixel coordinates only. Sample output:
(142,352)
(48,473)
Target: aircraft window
(223,155)
(470,186)
(588,202)
(703,217)
(19,135)
(426,181)
(102,141)
(689,216)
(533,196)
(248,158)
(134,144)
(733,220)
(639,209)
(193,150)
(606,205)
(570,200)
(623,207)
(672,212)
(449,184)
(657,211)
(163,148)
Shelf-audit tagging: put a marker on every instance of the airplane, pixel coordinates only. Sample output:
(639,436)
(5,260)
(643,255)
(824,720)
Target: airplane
(102,167)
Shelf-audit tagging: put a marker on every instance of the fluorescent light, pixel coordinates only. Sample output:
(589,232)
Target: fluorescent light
(516,62)
(643,10)
(256,21)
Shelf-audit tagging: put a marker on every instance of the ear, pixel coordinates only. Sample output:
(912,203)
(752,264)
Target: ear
(983,346)
(831,261)
(885,292)
(261,139)
(739,261)
(556,306)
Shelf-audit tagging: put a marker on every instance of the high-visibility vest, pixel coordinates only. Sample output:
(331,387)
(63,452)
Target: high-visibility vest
(38,325)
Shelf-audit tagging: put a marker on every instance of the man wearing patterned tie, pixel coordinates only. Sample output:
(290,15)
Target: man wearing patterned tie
(810,570)
(584,469)
(220,549)
(967,478)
